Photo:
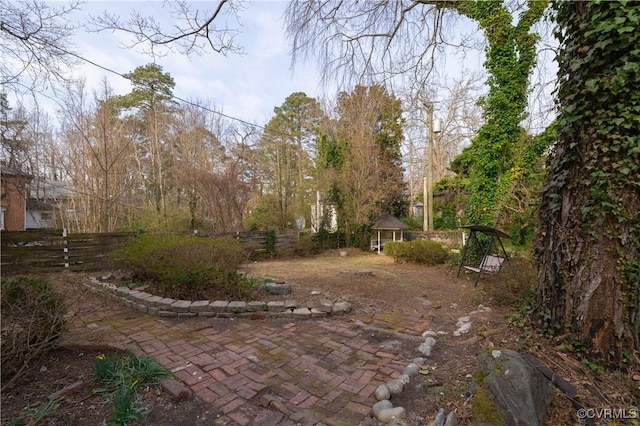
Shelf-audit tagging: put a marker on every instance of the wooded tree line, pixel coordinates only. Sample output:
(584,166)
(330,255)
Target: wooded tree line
(145,161)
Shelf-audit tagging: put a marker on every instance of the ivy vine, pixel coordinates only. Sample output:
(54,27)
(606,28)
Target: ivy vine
(510,59)
(594,181)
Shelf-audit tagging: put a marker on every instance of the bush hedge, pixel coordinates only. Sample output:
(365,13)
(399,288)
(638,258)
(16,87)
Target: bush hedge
(186,266)
(419,251)
(33,320)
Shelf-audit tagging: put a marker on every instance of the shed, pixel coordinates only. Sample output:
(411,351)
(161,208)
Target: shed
(387,228)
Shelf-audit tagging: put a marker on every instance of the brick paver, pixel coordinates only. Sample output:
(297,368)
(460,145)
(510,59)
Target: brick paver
(312,371)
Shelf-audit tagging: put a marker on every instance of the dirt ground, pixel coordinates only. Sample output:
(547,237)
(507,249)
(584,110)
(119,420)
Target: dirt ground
(386,297)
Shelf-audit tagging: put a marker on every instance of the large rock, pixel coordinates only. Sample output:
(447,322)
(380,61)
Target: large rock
(389,414)
(382,393)
(278,289)
(508,390)
(381,405)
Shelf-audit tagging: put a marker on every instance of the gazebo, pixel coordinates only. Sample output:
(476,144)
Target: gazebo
(388,226)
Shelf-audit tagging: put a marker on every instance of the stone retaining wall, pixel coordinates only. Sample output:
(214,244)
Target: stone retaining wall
(165,307)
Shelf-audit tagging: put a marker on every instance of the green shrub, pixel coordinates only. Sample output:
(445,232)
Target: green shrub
(186,266)
(33,319)
(419,251)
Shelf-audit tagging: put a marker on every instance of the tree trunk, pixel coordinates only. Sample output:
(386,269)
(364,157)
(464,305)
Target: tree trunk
(588,237)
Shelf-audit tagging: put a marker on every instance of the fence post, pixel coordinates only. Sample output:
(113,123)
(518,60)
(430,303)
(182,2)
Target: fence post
(66,248)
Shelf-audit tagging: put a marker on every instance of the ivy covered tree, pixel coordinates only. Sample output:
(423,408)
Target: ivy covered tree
(510,52)
(588,241)
(377,40)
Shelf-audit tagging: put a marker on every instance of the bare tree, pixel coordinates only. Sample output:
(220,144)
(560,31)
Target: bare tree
(26,139)
(99,161)
(375,41)
(35,44)
(211,167)
(457,107)
(193,31)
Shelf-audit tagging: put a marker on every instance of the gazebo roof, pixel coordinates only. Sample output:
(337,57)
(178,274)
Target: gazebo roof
(390,222)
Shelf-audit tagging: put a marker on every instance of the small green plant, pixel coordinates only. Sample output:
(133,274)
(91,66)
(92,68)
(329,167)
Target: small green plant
(120,376)
(420,251)
(593,366)
(271,241)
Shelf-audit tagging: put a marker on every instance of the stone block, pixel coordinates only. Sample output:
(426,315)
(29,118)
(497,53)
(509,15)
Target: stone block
(237,307)
(317,313)
(341,307)
(177,390)
(255,306)
(276,306)
(186,314)
(325,306)
(199,306)
(168,314)
(140,295)
(181,306)
(152,301)
(218,306)
(302,312)
(165,303)
(290,304)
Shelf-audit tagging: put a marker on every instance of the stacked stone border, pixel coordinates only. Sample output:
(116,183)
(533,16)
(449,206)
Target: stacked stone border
(166,307)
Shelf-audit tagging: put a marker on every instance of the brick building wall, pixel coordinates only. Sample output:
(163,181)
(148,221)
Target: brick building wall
(13,202)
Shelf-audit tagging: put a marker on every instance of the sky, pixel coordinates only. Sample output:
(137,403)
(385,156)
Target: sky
(245,86)
(248,86)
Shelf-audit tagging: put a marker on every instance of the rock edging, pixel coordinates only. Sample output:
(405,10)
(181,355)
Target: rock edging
(166,307)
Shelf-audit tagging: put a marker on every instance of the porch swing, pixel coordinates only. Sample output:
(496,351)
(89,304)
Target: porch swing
(494,253)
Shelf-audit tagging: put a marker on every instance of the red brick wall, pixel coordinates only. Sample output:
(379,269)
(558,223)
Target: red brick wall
(14,202)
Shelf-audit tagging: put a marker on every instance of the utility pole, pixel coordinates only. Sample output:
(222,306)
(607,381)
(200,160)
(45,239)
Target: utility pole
(428,180)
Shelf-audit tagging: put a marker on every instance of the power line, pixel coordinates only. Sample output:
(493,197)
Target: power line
(119,74)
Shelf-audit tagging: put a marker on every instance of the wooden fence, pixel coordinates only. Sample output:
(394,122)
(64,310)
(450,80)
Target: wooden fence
(47,251)
(51,251)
